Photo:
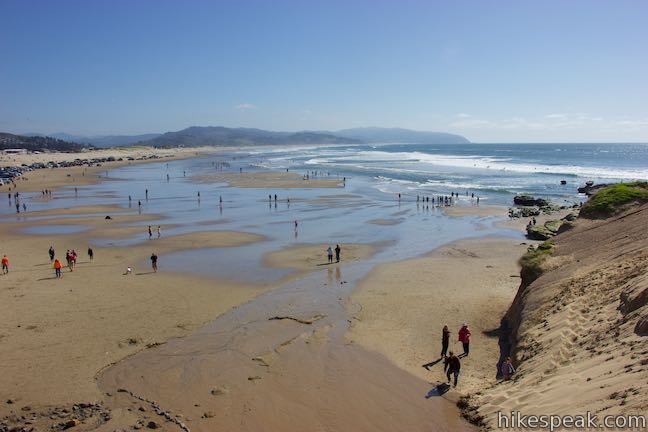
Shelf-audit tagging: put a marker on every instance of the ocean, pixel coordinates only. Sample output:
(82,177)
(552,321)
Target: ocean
(495,172)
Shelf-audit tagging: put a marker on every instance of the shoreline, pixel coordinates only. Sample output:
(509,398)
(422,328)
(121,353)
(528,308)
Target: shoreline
(56,178)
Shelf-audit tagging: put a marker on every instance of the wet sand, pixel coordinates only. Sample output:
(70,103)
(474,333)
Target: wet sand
(279,363)
(57,333)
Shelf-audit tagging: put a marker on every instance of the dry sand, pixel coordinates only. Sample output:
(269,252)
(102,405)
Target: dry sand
(400,309)
(269,180)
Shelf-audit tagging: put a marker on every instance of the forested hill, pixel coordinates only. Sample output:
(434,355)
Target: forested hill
(222,136)
(37,143)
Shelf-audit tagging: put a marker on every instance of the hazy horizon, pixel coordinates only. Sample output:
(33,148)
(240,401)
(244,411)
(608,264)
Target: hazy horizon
(333,131)
(500,72)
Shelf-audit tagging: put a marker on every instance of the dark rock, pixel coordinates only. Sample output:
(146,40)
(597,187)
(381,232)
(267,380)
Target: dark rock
(522,212)
(10,401)
(217,391)
(209,414)
(642,326)
(70,424)
(152,425)
(528,200)
(589,188)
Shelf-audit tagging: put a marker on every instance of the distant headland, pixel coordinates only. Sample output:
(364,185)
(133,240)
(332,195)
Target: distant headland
(197,136)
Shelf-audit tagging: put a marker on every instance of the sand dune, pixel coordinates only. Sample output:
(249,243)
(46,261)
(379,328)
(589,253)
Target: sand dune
(581,345)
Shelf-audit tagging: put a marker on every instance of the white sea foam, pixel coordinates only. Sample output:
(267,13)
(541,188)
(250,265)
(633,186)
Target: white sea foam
(473,162)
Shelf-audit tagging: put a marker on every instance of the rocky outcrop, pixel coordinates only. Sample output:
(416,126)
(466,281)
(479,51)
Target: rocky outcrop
(544,231)
(522,212)
(590,189)
(528,200)
(550,228)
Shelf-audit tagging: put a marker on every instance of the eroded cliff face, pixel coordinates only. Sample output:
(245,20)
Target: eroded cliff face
(579,332)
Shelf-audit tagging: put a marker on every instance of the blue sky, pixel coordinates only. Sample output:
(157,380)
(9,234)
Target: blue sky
(493,71)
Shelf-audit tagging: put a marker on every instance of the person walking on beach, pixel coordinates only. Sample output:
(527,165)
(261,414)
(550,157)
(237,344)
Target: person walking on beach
(507,369)
(5,264)
(329,252)
(337,253)
(57,268)
(452,366)
(73,259)
(159,231)
(464,338)
(90,253)
(154,262)
(445,341)
(150,232)
(51,253)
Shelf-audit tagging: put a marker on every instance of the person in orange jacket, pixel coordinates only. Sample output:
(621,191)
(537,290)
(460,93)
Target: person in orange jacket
(57,268)
(464,338)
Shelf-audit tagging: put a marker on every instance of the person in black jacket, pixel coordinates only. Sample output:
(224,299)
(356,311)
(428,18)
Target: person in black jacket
(445,340)
(452,365)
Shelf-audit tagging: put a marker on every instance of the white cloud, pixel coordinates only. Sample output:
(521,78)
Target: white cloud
(463,115)
(473,123)
(245,107)
(520,123)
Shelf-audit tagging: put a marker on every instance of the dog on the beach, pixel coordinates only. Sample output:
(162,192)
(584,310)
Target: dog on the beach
(128,271)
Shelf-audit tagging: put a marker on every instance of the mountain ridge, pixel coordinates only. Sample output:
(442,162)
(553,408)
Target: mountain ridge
(198,136)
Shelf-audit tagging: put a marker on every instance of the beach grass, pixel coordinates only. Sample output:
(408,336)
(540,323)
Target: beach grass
(609,200)
(531,262)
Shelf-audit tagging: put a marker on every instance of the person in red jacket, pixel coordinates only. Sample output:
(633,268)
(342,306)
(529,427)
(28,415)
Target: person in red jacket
(464,338)
(5,265)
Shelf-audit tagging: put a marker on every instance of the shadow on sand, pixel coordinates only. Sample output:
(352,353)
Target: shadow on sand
(439,390)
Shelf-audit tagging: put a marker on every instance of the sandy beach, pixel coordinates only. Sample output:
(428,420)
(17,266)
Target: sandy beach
(54,178)
(131,346)
(96,316)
